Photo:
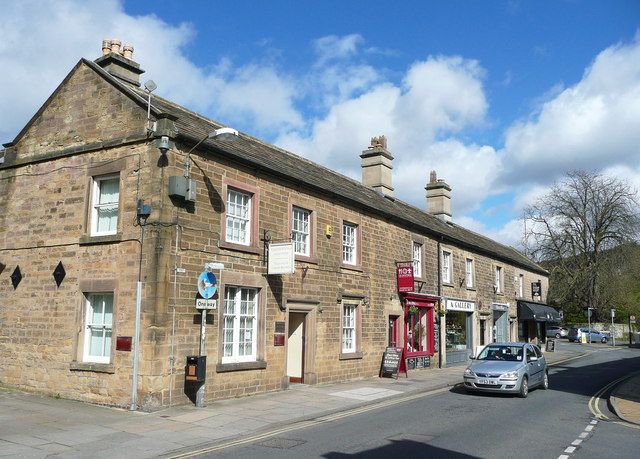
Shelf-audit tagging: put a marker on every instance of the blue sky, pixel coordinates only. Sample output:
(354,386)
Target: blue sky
(499,97)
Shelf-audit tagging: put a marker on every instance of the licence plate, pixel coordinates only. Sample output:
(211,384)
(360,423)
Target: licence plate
(492,382)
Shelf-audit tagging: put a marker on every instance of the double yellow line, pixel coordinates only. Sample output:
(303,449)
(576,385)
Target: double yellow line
(594,402)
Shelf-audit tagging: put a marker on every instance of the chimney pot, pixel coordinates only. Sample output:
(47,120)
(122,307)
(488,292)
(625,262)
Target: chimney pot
(128,51)
(106,46)
(115,46)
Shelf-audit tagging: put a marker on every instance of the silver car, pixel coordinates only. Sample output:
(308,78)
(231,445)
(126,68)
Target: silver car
(507,368)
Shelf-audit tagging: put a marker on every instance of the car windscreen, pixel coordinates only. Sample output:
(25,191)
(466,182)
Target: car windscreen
(509,353)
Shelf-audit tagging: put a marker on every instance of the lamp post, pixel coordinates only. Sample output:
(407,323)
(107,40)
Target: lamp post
(613,335)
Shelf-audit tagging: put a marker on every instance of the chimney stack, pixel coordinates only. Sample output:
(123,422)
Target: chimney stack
(438,198)
(118,62)
(376,166)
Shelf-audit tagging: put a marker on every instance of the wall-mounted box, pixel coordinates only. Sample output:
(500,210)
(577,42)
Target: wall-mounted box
(183,188)
(196,368)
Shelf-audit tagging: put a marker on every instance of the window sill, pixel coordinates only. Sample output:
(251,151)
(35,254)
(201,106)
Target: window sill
(87,239)
(473,289)
(306,259)
(241,366)
(350,356)
(93,367)
(447,284)
(240,247)
(351,267)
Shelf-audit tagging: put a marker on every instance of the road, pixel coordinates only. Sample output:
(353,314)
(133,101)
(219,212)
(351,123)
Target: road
(570,420)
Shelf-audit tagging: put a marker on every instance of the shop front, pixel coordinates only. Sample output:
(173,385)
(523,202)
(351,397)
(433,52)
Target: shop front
(500,328)
(533,319)
(459,329)
(418,330)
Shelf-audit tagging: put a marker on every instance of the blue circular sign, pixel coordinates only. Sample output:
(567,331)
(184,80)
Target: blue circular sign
(207,284)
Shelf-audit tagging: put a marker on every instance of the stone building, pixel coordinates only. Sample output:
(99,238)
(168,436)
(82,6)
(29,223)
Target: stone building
(120,211)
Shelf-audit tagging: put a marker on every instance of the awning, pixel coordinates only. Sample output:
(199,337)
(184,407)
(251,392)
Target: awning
(538,312)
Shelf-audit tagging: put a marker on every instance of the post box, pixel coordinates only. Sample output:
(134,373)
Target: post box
(196,368)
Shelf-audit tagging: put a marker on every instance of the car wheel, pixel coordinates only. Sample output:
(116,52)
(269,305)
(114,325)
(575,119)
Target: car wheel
(545,381)
(603,340)
(524,387)
(557,335)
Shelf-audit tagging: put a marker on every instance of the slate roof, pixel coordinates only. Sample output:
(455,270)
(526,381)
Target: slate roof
(260,155)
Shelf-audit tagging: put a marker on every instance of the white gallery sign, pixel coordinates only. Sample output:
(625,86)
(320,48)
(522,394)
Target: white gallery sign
(460,305)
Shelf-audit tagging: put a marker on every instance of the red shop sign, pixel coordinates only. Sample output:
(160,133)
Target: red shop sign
(405,278)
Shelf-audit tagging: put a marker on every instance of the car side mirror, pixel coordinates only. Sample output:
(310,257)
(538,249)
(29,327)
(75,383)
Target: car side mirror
(533,359)
(471,357)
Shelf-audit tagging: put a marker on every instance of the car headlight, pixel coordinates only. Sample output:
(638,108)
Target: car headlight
(469,373)
(510,375)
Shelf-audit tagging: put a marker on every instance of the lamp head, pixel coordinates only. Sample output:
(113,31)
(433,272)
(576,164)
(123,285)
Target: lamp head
(164,144)
(224,133)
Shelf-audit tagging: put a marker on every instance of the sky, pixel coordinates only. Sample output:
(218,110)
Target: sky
(500,98)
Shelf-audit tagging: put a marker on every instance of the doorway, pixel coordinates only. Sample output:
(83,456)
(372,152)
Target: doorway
(296,347)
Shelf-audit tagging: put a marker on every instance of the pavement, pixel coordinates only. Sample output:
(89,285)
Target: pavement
(33,426)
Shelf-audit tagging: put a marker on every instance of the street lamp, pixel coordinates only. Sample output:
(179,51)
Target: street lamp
(223,133)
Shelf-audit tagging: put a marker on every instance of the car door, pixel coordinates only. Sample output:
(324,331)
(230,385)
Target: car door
(535,373)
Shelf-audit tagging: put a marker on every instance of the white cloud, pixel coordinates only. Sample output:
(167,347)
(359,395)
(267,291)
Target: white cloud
(588,126)
(438,97)
(43,40)
(332,47)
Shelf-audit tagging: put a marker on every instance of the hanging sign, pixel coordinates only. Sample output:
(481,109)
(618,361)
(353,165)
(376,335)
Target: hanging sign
(536,288)
(405,278)
(207,284)
(281,259)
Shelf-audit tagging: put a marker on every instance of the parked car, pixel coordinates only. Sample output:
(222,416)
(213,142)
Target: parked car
(507,368)
(592,335)
(557,332)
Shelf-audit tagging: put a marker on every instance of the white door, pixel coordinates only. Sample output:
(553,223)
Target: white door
(295,347)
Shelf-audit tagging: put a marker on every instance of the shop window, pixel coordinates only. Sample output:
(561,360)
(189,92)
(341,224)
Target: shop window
(98,328)
(457,331)
(446,267)
(105,197)
(469,273)
(240,320)
(419,330)
(417,259)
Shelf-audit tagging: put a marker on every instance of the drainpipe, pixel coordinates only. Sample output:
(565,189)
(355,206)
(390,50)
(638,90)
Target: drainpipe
(439,306)
(136,340)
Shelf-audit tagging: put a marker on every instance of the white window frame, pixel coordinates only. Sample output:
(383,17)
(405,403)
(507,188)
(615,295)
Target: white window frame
(97,206)
(349,243)
(521,285)
(301,231)
(499,279)
(102,327)
(469,273)
(446,267)
(349,328)
(238,217)
(234,326)
(416,256)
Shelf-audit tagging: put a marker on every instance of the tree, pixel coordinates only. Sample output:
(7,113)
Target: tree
(574,229)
